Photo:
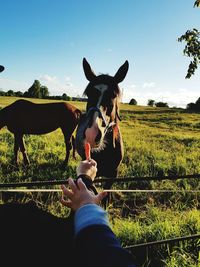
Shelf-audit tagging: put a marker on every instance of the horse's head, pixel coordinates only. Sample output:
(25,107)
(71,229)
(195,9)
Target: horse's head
(102,112)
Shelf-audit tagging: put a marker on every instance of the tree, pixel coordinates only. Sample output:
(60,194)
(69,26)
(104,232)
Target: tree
(10,93)
(44,92)
(133,102)
(161,105)
(2,93)
(19,94)
(190,106)
(198,102)
(66,97)
(34,90)
(151,102)
(197,3)
(192,47)
(25,94)
(194,106)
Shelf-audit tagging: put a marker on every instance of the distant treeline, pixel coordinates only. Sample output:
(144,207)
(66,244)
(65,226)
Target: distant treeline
(39,91)
(191,106)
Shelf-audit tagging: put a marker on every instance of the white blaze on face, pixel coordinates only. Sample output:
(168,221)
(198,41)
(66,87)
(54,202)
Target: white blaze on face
(101,88)
(92,132)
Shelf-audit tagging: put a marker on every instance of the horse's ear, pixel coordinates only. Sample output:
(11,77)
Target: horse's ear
(1,68)
(89,73)
(121,73)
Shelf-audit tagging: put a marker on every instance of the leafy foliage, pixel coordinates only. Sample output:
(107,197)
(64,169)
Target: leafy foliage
(197,3)
(192,49)
(151,102)
(161,104)
(133,102)
(194,106)
(37,91)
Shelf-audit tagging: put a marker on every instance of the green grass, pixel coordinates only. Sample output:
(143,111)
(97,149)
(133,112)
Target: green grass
(157,141)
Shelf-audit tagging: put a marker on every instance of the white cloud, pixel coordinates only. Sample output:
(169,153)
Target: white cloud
(48,78)
(7,84)
(67,78)
(149,84)
(133,86)
(178,97)
(58,86)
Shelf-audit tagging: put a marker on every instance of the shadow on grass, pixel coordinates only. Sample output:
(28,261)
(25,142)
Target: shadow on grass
(35,172)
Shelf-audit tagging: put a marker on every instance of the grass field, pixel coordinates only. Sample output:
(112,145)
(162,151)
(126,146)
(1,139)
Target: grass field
(157,141)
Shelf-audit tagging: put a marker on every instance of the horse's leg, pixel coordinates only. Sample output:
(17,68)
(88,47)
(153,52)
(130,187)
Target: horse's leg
(23,150)
(68,145)
(109,198)
(16,148)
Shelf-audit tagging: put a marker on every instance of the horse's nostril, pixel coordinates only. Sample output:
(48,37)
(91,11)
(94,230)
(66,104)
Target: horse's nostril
(98,137)
(103,124)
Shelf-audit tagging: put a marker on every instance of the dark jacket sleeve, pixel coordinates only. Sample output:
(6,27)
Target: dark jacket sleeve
(97,245)
(88,182)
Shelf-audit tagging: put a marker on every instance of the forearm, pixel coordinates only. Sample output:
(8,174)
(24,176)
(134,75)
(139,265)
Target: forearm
(95,243)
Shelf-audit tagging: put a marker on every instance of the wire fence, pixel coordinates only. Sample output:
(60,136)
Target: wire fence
(8,187)
(165,241)
(100,180)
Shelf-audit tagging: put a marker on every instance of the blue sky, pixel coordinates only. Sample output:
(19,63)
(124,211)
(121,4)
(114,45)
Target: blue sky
(47,40)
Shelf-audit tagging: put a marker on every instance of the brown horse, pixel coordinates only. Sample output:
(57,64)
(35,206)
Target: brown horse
(24,117)
(100,124)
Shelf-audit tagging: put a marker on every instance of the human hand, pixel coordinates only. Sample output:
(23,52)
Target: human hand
(79,195)
(87,167)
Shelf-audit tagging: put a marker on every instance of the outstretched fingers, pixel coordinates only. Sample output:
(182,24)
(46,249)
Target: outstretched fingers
(76,195)
(66,197)
(81,184)
(72,185)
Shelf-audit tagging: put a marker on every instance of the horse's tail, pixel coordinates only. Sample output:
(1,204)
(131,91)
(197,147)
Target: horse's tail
(78,115)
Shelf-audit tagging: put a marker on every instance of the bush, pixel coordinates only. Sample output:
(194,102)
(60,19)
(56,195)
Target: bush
(151,102)
(133,102)
(161,105)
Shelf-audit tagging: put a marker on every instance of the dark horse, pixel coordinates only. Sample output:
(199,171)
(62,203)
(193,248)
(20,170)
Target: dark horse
(24,117)
(32,233)
(100,124)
